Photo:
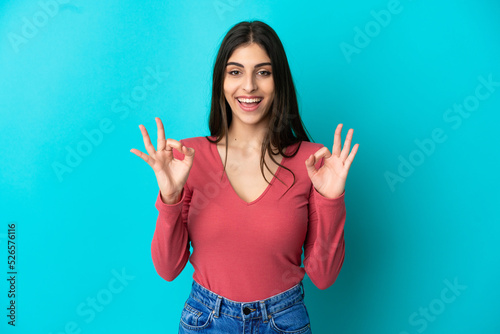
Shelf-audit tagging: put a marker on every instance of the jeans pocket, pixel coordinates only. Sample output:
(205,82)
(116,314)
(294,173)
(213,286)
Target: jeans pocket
(195,315)
(292,320)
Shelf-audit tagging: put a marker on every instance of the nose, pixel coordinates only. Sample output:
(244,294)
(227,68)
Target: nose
(249,83)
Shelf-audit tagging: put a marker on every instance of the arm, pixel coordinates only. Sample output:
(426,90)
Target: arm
(170,244)
(324,247)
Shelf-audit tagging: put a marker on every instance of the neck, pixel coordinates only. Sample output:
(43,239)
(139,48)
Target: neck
(246,137)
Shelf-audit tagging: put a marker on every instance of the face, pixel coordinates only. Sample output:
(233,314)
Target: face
(249,84)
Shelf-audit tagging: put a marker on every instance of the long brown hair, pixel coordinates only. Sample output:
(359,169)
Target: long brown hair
(285,125)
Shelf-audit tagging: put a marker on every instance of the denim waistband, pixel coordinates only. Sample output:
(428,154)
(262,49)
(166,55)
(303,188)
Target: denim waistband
(247,310)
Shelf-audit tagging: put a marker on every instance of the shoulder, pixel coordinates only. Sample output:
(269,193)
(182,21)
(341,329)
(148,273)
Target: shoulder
(306,148)
(194,142)
(307,145)
(200,144)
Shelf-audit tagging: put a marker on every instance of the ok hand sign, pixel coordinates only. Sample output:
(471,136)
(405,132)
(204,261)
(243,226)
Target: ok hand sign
(171,173)
(330,179)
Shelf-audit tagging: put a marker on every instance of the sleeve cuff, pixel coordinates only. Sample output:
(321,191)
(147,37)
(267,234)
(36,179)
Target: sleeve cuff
(161,206)
(330,201)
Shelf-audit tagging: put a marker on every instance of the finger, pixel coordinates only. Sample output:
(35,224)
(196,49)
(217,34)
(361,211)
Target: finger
(161,135)
(322,152)
(310,162)
(347,145)
(150,161)
(351,156)
(337,140)
(147,141)
(188,154)
(170,144)
(314,158)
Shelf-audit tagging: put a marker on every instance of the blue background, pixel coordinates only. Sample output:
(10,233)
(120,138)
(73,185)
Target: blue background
(71,74)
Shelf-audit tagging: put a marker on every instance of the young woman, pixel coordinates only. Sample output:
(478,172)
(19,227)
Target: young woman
(247,233)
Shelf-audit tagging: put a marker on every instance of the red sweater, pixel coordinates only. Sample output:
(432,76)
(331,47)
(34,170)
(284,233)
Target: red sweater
(249,251)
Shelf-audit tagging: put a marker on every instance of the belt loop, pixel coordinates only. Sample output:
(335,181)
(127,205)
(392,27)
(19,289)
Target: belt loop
(303,290)
(216,310)
(263,310)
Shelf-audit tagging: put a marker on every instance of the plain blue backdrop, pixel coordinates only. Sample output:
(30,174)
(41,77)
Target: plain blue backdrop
(418,81)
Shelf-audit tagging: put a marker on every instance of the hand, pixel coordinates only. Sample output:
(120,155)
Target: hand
(171,173)
(330,179)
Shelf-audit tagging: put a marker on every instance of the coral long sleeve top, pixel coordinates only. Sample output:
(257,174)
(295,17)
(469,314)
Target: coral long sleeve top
(249,251)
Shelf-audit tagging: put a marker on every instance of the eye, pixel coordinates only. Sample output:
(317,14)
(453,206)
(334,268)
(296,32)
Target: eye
(232,72)
(265,73)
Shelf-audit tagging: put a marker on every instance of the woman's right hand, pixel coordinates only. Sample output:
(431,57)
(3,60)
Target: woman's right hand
(171,173)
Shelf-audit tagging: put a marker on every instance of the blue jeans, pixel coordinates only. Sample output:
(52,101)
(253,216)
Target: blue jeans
(207,312)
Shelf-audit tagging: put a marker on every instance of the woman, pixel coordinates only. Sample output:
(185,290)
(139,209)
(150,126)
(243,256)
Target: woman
(247,233)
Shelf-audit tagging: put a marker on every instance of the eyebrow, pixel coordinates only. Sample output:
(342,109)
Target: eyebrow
(238,64)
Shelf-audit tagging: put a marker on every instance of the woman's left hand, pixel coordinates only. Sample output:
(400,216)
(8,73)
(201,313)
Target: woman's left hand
(330,179)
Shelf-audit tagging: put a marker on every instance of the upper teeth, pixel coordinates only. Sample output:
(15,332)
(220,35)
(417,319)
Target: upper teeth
(249,100)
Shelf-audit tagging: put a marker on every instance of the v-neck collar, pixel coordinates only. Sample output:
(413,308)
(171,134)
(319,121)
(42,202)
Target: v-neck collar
(215,151)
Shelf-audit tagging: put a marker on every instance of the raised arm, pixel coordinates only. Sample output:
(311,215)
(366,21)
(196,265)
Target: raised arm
(170,244)
(324,247)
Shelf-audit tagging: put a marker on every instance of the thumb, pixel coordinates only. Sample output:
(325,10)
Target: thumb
(188,154)
(311,170)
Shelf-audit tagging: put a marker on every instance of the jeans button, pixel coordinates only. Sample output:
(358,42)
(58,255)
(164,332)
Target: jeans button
(246,310)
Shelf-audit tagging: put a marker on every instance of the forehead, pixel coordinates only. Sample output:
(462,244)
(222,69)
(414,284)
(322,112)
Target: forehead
(249,54)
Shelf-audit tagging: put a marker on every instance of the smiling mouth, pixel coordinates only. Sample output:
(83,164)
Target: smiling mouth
(249,104)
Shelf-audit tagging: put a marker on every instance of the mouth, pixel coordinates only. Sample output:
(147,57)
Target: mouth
(249,104)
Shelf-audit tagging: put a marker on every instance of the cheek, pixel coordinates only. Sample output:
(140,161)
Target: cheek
(229,90)
(268,87)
